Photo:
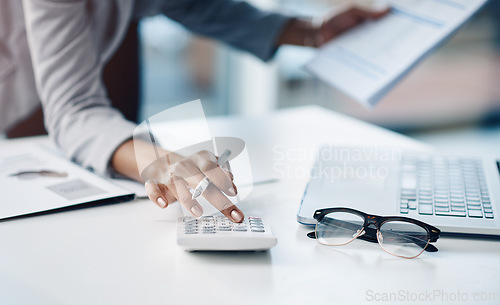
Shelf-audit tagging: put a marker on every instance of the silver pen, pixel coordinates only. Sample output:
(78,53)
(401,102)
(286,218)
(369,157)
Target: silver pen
(202,186)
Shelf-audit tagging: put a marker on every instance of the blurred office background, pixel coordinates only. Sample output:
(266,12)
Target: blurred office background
(453,96)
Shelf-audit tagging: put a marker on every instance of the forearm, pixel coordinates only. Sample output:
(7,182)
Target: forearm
(132,157)
(123,161)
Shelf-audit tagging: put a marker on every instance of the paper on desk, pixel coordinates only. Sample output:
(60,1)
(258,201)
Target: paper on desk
(367,62)
(22,194)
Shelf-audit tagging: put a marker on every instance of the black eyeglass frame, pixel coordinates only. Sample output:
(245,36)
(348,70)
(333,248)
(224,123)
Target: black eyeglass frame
(433,233)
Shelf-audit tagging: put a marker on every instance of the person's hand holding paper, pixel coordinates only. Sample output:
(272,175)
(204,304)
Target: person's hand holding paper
(368,61)
(316,32)
(336,24)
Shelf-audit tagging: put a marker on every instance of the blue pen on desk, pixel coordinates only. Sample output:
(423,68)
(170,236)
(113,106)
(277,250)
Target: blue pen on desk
(202,186)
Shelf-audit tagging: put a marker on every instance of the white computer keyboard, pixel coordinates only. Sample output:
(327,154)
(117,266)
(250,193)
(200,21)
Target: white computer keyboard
(217,233)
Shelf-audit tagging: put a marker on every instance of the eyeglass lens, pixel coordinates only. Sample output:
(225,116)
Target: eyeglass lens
(339,228)
(404,239)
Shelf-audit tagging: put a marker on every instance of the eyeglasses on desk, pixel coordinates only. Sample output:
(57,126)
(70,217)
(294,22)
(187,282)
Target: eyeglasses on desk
(400,236)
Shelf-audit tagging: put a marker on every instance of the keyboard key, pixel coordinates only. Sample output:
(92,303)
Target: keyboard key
(473,199)
(408,181)
(473,207)
(442,209)
(473,203)
(475,213)
(425,209)
(441,204)
(488,215)
(443,196)
(452,213)
(412,205)
(425,198)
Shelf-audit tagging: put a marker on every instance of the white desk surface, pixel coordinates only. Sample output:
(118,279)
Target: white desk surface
(126,253)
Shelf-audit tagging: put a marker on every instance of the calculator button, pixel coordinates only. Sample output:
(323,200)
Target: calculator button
(257,230)
(257,226)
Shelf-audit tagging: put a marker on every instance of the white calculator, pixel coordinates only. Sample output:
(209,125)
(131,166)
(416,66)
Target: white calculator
(217,233)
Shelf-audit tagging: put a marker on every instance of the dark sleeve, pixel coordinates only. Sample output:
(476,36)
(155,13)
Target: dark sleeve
(236,23)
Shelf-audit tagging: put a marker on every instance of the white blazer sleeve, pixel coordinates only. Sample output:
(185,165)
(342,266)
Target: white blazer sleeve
(67,63)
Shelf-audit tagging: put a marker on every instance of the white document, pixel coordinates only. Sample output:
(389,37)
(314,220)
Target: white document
(366,62)
(35,179)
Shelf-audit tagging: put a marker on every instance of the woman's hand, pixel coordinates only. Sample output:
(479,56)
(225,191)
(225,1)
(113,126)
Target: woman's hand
(314,34)
(183,173)
(169,178)
(334,25)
